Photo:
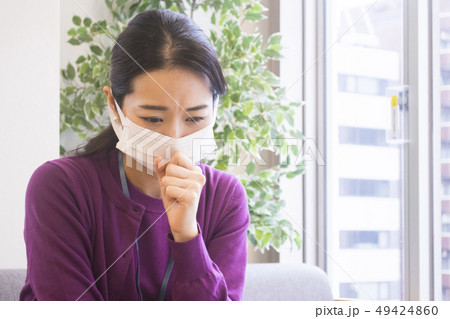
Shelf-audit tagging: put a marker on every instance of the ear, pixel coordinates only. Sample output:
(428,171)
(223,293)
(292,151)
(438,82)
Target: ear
(110,100)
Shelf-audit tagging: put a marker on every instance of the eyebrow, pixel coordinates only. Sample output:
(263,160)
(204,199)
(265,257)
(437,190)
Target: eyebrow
(164,108)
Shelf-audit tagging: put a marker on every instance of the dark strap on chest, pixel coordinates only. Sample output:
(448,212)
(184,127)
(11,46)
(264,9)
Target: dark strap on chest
(162,292)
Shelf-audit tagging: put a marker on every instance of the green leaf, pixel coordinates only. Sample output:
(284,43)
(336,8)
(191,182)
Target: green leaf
(276,244)
(80,59)
(86,109)
(274,38)
(255,83)
(222,18)
(265,129)
(226,103)
(76,20)
(228,34)
(276,47)
(291,175)
(222,166)
(74,41)
(265,173)
(237,31)
(87,22)
(267,88)
(286,224)
(240,133)
(85,37)
(96,49)
(259,234)
(266,238)
(72,32)
(296,133)
(213,36)
(69,90)
(246,42)
(98,27)
(265,229)
(290,119)
(96,70)
(235,97)
(297,240)
(108,53)
(84,67)
(63,99)
(248,107)
(133,9)
(226,132)
(250,168)
(258,8)
(253,16)
(272,54)
(279,117)
(70,72)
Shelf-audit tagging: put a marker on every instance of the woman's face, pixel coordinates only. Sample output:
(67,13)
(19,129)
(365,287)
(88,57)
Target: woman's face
(151,107)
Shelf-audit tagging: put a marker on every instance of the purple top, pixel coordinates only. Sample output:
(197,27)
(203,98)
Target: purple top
(78,222)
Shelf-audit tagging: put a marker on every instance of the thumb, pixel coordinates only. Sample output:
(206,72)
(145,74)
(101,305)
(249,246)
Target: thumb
(160,167)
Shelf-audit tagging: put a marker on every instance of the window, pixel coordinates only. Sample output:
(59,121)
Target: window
(368,239)
(367,214)
(364,210)
(444,129)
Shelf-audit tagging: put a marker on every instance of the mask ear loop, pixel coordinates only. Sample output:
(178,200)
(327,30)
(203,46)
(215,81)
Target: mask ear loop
(115,108)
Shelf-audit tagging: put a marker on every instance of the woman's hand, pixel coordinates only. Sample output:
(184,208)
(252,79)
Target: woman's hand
(181,184)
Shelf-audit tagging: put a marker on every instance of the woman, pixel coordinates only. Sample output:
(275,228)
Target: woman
(100,227)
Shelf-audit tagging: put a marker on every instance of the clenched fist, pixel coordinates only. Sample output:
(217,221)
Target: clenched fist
(181,184)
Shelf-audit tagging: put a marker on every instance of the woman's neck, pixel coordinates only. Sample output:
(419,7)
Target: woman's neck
(146,183)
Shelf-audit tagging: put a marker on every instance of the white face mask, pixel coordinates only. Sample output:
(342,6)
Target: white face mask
(144,145)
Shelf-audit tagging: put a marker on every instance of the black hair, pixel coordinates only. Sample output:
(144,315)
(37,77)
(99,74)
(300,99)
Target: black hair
(156,39)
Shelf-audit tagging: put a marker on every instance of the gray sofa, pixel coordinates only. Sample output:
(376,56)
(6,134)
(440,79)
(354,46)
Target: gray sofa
(266,281)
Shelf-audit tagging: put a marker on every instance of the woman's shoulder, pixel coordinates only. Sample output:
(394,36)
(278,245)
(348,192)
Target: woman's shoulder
(69,169)
(228,197)
(222,182)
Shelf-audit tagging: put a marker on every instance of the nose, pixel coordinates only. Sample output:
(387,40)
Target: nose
(174,130)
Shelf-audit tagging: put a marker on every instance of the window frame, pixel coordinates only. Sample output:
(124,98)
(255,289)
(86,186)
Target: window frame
(436,151)
(418,263)
(421,232)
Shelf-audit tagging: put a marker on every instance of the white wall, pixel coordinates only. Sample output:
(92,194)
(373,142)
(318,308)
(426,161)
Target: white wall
(290,75)
(29,95)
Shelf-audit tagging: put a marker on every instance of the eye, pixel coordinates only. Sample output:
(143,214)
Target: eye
(196,119)
(152,119)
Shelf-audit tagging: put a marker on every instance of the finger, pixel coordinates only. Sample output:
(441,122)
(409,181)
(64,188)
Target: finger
(160,169)
(181,195)
(178,171)
(180,182)
(198,168)
(182,160)
(160,163)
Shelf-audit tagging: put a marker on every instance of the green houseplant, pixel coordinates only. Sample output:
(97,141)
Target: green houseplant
(251,115)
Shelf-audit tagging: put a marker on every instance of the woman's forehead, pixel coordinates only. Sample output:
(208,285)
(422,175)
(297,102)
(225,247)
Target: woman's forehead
(171,79)
(169,88)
